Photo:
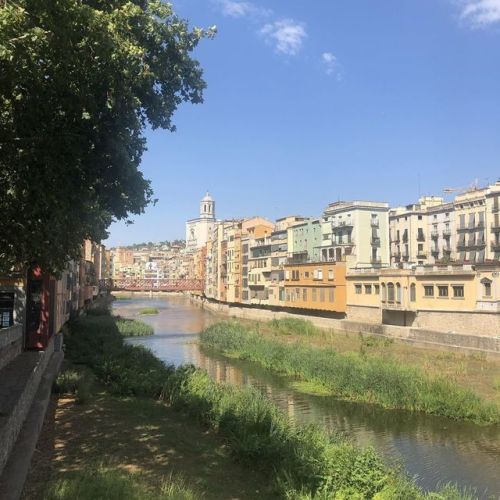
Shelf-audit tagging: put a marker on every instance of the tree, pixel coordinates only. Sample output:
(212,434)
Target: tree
(80,80)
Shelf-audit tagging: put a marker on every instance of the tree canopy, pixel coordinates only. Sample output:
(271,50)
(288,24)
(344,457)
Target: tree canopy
(80,80)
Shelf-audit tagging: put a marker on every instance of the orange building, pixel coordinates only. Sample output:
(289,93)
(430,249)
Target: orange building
(317,286)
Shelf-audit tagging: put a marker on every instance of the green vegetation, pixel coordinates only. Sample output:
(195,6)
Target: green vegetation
(133,327)
(106,483)
(302,461)
(89,77)
(294,326)
(78,382)
(97,342)
(353,376)
(149,310)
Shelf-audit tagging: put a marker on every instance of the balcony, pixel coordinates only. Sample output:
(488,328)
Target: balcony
(495,246)
(339,224)
(421,254)
(435,234)
(495,227)
(376,260)
(375,241)
(421,237)
(374,223)
(348,243)
(446,233)
(435,252)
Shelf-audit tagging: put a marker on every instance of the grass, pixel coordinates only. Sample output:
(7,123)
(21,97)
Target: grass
(300,461)
(133,327)
(149,310)
(353,376)
(474,371)
(104,483)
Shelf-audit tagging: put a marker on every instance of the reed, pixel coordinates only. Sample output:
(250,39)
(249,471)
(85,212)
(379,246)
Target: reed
(353,376)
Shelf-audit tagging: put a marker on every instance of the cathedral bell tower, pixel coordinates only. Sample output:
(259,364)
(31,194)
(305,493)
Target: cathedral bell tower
(207,207)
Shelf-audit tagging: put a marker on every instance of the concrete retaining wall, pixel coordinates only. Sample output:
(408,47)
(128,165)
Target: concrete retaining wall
(11,340)
(19,383)
(465,341)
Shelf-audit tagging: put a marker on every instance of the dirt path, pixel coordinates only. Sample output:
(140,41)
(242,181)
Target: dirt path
(138,436)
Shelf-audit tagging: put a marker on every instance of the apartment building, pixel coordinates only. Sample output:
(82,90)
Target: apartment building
(477,224)
(279,256)
(441,229)
(409,232)
(357,231)
(304,241)
(316,286)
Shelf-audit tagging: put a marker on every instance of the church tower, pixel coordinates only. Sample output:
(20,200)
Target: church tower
(207,207)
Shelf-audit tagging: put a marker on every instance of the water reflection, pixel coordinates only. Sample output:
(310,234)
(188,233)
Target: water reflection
(435,450)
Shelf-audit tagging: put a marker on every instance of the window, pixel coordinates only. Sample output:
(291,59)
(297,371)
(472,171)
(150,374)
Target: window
(331,295)
(429,290)
(314,294)
(413,292)
(377,289)
(330,274)
(306,274)
(390,292)
(368,289)
(384,292)
(398,293)
(322,294)
(304,294)
(458,291)
(443,290)
(486,287)
(358,289)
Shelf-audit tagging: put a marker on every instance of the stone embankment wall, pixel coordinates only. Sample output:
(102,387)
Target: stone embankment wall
(11,343)
(418,335)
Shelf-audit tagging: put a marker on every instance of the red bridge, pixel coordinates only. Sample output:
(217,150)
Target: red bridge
(159,285)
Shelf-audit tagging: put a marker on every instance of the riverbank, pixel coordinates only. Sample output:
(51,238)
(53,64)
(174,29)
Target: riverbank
(474,370)
(294,461)
(354,376)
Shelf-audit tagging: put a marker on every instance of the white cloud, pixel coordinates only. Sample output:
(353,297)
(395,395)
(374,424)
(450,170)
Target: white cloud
(330,64)
(480,13)
(286,35)
(236,8)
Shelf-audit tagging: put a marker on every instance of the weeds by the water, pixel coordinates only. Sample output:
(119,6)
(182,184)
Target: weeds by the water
(353,376)
(294,326)
(77,382)
(104,483)
(148,310)
(97,342)
(133,327)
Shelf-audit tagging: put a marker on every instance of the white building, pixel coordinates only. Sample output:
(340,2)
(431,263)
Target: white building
(198,230)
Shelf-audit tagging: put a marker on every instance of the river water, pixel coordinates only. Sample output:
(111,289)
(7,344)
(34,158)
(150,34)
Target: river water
(434,450)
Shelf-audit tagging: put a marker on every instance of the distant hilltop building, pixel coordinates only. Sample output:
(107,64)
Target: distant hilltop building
(198,230)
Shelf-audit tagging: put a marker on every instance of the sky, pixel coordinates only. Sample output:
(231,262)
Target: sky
(310,102)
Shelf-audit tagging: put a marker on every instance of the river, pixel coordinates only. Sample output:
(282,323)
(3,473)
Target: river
(433,450)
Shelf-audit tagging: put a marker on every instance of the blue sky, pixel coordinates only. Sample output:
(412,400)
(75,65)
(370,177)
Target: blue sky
(309,102)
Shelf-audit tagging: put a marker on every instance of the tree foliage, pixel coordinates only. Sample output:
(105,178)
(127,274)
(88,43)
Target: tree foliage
(80,80)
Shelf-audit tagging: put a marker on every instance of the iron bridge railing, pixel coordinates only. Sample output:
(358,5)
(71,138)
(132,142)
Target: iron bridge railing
(147,284)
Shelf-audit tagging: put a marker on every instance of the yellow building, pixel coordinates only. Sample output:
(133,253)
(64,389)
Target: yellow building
(316,286)
(464,299)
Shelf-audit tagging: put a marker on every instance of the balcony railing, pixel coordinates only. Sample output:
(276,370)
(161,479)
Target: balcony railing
(375,241)
(421,255)
(495,226)
(495,246)
(421,237)
(336,224)
(446,233)
(375,223)
(435,234)
(376,260)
